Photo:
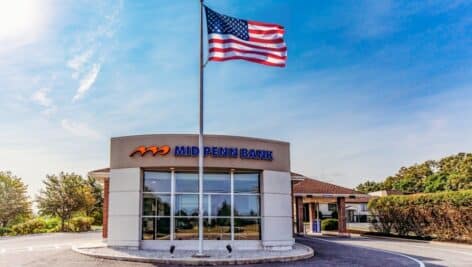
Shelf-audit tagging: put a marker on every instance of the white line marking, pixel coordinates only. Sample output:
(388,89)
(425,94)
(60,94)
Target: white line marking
(420,263)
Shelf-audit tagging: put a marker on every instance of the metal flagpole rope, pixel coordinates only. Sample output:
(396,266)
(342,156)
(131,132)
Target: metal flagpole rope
(200,143)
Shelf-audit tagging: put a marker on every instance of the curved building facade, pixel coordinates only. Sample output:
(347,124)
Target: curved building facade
(153,192)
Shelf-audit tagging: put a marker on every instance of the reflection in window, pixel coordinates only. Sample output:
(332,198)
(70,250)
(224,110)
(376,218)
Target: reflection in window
(218,205)
(186,182)
(247,229)
(156,182)
(156,228)
(156,205)
(246,183)
(246,205)
(186,228)
(217,229)
(217,183)
(186,205)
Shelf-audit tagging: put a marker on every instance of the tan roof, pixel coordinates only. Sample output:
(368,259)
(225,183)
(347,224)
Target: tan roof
(313,186)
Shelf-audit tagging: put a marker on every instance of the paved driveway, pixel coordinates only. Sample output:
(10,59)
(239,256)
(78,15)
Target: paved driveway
(54,250)
(430,253)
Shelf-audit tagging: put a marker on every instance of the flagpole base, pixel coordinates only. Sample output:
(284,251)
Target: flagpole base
(200,255)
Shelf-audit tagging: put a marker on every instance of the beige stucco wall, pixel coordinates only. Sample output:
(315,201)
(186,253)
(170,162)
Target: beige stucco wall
(121,147)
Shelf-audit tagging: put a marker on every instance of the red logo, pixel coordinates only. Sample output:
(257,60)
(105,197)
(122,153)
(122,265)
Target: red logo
(155,150)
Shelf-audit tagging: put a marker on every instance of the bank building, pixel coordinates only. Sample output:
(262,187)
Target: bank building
(251,199)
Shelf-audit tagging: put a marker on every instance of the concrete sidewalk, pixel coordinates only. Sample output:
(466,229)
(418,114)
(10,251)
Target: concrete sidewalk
(216,257)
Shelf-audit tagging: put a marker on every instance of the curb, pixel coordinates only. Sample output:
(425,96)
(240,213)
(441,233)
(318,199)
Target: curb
(396,238)
(199,261)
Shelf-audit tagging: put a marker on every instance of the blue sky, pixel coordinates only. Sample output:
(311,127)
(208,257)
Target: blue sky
(369,86)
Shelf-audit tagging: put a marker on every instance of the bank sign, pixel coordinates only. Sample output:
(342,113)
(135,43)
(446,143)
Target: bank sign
(208,151)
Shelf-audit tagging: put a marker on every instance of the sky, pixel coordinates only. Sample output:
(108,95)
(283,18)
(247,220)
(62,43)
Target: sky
(369,86)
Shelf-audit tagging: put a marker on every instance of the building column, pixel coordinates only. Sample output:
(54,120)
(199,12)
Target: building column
(313,216)
(299,207)
(341,204)
(106,197)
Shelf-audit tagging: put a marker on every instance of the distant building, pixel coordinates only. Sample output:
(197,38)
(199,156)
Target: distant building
(312,197)
(384,193)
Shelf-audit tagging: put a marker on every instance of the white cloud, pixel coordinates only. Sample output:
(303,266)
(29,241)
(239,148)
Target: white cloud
(78,61)
(41,97)
(79,129)
(87,81)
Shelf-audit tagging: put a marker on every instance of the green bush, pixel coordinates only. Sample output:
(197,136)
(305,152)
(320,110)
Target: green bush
(81,224)
(33,226)
(329,224)
(5,231)
(444,215)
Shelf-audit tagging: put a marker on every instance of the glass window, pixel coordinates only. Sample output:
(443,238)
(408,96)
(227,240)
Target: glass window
(247,229)
(217,183)
(186,228)
(156,205)
(156,210)
(156,181)
(246,205)
(186,205)
(156,228)
(218,205)
(332,207)
(217,229)
(246,183)
(186,182)
(148,228)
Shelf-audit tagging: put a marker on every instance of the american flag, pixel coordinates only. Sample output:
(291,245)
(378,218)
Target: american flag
(232,38)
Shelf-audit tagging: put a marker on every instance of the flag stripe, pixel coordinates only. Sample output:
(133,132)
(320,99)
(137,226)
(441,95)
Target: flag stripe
(257,31)
(266,41)
(249,59)
(225,50)
(245,48)
(225,38)
(266,36)
(255,56)
(271,25)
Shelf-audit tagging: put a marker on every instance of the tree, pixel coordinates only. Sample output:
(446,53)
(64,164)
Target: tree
(370,186)
(14,202)
(95,210)
(458,168)
(411,179)
(63,195)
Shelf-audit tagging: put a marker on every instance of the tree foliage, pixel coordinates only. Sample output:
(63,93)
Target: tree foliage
(15,205)
(369,186)
(450,173)
(95,210)
(64,195)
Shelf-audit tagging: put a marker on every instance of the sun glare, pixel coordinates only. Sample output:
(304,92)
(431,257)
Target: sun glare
(20,19)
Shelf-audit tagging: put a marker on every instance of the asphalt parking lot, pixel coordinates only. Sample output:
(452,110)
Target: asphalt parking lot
(55,250)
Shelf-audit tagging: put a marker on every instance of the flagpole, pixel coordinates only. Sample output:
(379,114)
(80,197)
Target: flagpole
(200,144)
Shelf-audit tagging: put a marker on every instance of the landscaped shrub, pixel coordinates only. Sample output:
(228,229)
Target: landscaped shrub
(334,214)
(329,224)
(81,224)
(33,226)
(444,215)
(5,231)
